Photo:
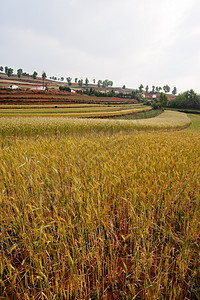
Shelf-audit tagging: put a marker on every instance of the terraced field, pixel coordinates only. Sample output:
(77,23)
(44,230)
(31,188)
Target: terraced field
(30,97)
(45,126)
(83,112)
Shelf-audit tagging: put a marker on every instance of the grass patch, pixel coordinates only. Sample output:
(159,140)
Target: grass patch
(142,115)
(195,125)
(186,110)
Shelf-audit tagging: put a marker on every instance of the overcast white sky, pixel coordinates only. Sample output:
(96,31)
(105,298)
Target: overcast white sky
(131,42)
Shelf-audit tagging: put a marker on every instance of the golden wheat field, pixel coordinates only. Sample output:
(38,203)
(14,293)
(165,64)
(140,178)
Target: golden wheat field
(95,216)
(47,126)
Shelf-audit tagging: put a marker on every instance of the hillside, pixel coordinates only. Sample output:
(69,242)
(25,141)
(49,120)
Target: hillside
(28,82)
(30,97)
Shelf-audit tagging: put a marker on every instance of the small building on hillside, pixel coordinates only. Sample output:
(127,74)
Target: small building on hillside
(151,96)
(39,88)
(13,86)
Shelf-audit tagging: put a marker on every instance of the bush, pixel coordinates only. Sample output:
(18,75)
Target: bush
(147,102)
(64,89)
(156,105)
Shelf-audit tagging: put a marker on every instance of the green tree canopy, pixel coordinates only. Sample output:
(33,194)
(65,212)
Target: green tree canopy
(188,99)
(86,82)
(99,83)
(8,71)
(19,72)
(44,76)
(141,88)
(166,88)
(35,75)
(80,82)
(69,80)
(163,100)
(174,92)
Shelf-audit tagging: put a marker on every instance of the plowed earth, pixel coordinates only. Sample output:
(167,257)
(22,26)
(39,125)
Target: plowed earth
(51,97)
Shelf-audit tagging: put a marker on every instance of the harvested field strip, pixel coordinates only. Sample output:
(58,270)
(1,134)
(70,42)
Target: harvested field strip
(78,113)
(41,106)
(31,126)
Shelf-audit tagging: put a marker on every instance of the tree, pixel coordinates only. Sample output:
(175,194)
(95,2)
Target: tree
(191,98)
(99,83)
(44,76)
(76,80)
(163,100)
(80,82)
(86,82)
(104,84)
(1,69)
(174,92)
(94,81)
(69,80)
(35,75)
(8,71)
(147,89)
(107,82)
(124,87)
(62,78)
(186,100)
(153,89)
(141,87)
(25,74)
(166,88)
(19,72)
